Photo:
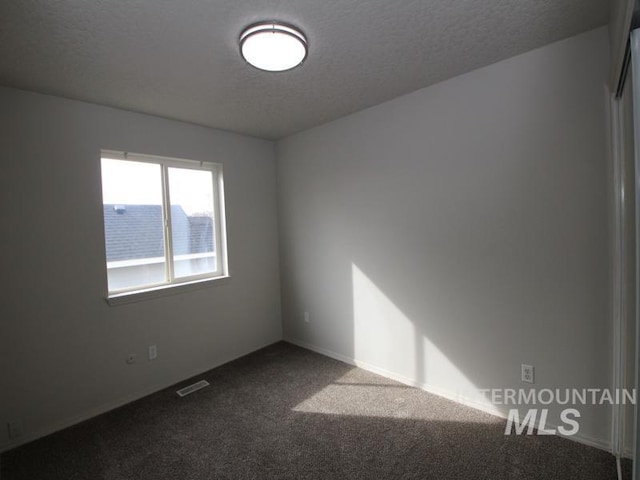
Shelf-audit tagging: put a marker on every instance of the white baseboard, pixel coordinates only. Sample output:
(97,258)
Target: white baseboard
(99,410)
(483,407)
(106,407)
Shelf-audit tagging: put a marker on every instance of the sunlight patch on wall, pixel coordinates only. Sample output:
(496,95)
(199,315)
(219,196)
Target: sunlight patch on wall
(392,343)
(383,335)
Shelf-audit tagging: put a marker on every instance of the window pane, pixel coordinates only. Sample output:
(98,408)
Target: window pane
(192,222)
(133,223)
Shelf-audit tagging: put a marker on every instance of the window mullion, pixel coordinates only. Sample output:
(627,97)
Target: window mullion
(168,236)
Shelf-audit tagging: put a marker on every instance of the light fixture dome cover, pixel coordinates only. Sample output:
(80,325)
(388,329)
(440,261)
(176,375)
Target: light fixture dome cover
(273,46)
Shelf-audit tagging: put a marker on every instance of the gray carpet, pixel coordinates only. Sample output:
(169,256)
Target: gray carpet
(287,413)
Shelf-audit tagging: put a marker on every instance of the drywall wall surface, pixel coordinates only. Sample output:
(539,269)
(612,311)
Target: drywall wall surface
(62,347)
(450,235)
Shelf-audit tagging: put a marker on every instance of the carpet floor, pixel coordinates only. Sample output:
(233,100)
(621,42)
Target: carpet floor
(286,413)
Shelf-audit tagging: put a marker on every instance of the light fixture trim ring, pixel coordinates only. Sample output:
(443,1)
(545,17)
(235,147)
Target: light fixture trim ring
(275,27)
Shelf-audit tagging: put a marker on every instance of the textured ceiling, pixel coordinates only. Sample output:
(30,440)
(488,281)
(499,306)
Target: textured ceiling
(179,58)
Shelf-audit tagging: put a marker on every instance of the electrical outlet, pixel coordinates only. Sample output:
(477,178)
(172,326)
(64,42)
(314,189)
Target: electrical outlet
(15,428)
(527,372)
(131,359)
(153,352)
(306,317)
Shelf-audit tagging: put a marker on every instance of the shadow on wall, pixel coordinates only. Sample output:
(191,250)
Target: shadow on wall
(383,334)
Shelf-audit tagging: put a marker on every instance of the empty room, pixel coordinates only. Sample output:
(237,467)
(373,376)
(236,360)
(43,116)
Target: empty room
(286,239)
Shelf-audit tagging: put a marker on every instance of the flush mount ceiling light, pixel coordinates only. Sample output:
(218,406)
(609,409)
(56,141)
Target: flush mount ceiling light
(273,46)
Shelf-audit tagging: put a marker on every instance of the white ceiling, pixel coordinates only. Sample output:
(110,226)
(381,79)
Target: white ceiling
(180,59)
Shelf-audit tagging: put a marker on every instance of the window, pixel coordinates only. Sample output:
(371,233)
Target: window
(163,221)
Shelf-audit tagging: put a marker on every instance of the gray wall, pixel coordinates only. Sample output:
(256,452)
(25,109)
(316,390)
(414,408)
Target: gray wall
(447,236)
(62,348)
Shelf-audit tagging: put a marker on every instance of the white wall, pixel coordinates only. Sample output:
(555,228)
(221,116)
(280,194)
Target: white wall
(62,348)
(447,236)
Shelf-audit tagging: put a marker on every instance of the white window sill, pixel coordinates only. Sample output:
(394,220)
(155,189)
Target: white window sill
(164,290)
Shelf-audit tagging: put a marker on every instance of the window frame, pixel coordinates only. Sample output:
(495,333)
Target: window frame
(173,284)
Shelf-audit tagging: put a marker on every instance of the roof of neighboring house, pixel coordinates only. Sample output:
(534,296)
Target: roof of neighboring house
(136,231)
